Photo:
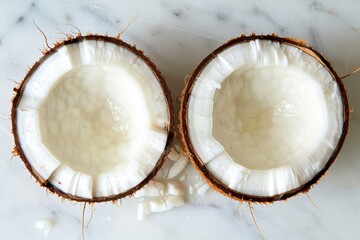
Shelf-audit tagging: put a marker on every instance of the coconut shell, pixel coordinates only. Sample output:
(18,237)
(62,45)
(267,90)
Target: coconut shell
(19,92)
(197,162)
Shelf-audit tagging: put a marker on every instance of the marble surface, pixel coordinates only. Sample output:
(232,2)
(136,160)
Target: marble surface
(177,35)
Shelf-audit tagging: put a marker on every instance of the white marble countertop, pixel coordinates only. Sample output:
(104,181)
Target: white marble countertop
(177,35)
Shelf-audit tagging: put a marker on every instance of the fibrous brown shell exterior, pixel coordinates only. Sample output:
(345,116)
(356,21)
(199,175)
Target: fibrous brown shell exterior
(195,159)
(19,92)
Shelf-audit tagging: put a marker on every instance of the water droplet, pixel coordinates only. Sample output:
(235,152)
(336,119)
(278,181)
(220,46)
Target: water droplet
(121,122)
(285,109)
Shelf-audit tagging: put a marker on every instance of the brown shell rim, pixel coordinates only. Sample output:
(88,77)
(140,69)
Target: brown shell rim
(19,91)
(195,159)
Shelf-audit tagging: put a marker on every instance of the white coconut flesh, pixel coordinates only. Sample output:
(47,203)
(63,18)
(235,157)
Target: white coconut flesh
(93,119)
(264,117)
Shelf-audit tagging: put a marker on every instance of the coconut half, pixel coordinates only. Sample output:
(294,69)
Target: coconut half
(263,117)
(93,119)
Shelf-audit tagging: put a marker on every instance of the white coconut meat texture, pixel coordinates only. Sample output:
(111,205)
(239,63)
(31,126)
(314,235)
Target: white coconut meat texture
(264,117)
(93,119)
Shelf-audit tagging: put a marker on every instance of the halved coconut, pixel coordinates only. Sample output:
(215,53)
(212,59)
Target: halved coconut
(93,119)
(263,117)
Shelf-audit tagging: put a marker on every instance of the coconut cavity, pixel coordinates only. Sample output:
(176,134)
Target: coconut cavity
(268,116)
(93,119)
(264,117)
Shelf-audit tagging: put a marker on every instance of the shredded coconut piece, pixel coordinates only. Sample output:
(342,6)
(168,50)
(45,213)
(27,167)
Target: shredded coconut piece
(166,191)
(44,225)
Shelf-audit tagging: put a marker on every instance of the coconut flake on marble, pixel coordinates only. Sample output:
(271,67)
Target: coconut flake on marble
(44,226)
(167,191)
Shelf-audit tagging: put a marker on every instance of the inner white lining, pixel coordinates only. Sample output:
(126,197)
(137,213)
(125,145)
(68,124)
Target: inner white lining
(103,117)
(244,170)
